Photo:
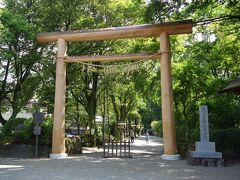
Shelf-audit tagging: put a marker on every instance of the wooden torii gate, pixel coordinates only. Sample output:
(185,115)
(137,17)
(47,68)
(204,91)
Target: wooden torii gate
(164,30)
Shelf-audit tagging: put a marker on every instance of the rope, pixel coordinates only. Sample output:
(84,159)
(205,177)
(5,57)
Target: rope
(117,65)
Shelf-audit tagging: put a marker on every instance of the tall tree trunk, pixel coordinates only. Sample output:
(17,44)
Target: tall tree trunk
(91,118)
(116,109)
(92,104)
(2,120)
(78,118)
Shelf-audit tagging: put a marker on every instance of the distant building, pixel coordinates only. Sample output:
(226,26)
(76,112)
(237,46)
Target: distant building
(233,86)
(21,114)
(99,119)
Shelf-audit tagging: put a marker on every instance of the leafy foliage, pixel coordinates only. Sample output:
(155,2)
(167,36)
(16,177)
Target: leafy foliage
(17,130)
(227,142)
(156,126)
(20,130)
(18,57)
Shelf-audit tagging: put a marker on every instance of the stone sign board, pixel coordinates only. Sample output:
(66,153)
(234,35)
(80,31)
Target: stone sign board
(205,150)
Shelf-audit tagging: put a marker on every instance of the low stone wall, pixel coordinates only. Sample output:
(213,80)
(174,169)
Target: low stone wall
(23,151)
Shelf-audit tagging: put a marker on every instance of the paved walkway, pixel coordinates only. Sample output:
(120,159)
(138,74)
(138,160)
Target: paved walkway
(146,164)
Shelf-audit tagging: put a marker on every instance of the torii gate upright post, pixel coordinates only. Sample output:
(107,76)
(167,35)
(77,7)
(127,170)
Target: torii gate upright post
(58,141)
(169,135)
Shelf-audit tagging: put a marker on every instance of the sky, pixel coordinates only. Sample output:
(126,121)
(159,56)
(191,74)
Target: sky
(1,5)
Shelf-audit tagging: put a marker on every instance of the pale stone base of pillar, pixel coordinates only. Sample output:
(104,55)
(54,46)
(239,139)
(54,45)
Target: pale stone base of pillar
(174,157)
(58,156)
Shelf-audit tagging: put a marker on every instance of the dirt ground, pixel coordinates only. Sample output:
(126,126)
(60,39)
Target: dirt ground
(146,163)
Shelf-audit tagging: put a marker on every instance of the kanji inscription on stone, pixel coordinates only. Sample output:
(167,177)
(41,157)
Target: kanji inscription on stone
(204,131)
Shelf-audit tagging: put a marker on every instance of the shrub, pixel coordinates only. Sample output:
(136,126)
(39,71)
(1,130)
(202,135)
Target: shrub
(228,142)
(157,127)
(11,133)
(46,131)
(99,140)
(25,135)
(73,145)
(10,126)
(86,139)
(186,139)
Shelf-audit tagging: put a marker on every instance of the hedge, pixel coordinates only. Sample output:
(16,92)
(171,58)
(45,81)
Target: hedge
(227,141)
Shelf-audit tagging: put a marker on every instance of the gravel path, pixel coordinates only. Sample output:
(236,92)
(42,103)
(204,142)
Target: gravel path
(146,164)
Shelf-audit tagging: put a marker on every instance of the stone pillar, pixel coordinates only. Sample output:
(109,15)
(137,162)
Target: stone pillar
(169,135)
(58,141)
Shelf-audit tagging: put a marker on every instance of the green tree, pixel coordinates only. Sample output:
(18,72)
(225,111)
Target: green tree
(84,87)
(19,55)
(202,62)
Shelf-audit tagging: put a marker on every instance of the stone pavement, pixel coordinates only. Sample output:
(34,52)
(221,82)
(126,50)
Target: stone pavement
(145,164)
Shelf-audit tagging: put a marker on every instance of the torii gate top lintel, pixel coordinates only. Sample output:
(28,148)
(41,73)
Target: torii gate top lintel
(147,30)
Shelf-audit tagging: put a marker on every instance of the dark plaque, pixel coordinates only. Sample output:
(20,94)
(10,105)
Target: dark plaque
(38,118)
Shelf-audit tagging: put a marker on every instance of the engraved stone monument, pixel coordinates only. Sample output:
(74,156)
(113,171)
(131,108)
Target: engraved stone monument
(204,148)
